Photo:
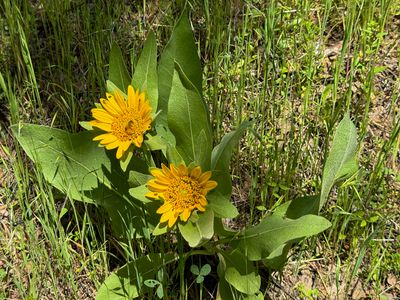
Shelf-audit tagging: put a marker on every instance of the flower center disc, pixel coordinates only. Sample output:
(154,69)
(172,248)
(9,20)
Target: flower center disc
(128,126)
(183,192)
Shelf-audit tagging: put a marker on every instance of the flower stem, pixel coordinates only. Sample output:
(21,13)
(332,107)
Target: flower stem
(182,260)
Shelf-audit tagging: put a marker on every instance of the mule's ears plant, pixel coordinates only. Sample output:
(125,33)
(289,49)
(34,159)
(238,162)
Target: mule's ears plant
(159,124)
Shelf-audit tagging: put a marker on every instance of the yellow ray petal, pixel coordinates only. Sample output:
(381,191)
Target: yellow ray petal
(113,145)
(172,220)
(111,108)
(200,208)
(125,145)
(131,97)
(166,216)
(117,99)
(102,115)
(183,171)
(209,185)
(102,126)
(153,186)
(174,170)
(196,172)
(159,174)
(108,138)
(204,177)
(185,215)
(203,201)
(164,208)
(138,141)
(120,152)
(167,171)
(152,195)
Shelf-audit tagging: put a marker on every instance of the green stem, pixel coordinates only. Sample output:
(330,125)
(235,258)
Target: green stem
(182,260)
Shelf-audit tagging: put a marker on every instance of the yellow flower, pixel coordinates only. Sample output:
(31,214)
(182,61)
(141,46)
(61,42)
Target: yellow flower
(182,190)
(125,121)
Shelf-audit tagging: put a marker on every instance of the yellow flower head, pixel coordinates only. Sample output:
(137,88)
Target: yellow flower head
(182,190)
(125,121)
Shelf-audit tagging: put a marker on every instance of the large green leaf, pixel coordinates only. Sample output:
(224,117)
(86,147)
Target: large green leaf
(70,162)
(181,49)
(127,282)
(221,157)
(188,121)
(75,165)
(277,258)
(261,240)
(221,205)
(195,233)
(294,209)
(299,207)
(145,77)
(241,273)
(117,72)
(169,140)
(342,160)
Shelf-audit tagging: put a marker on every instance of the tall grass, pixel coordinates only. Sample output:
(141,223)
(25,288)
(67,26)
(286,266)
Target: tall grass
(293,68)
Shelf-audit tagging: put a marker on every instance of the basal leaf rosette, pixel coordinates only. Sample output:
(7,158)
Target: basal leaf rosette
(182,189)
(125,121)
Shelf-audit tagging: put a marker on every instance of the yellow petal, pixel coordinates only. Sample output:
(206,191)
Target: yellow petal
(164,208)
(185,215)
(102,126)
(209,185)
(204,177)
(174,170)
(183,171)
(172,220)
(113,102)
(196,172)
(166,216)
(203,201)
(200,208)
(138,141)
(155,187)
(113,145)
(125,145)
(101,136)
(152,195)
(162,181)
(167,171)
(159,174)
(102,115)
(131,97)
(111,108)
(107,138)
(120,100)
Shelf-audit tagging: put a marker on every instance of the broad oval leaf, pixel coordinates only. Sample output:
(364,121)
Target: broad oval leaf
(182,49)
(221,157)
(222,205)
(294,209)
(195,233)
(342,159)
(241,273)
(75,165)
(145,77)
(261,240)
(188,121)
(117,72)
